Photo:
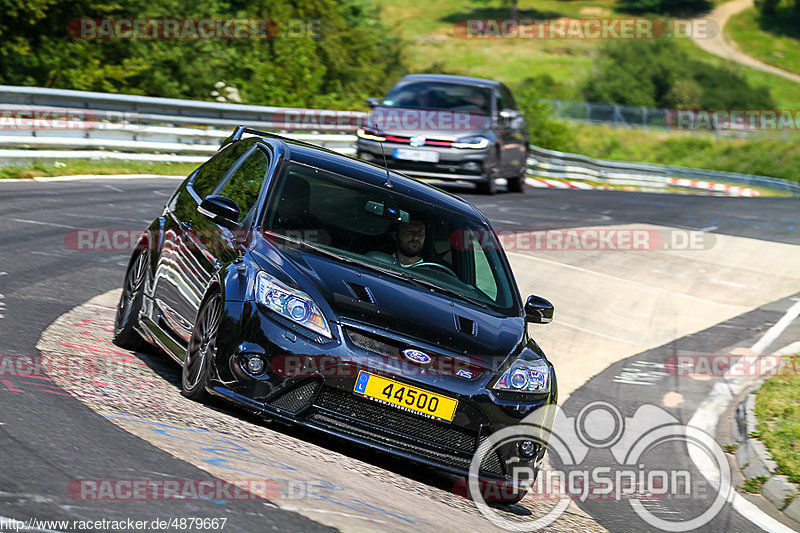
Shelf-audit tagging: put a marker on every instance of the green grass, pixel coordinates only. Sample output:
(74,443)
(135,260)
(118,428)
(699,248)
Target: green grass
(778,413)
(87,166)
(432,45)
(774,158)
(753,485)
(774,39)
(786,93)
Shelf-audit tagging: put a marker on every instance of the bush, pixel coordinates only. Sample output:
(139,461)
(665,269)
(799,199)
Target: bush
(675,8)
(543,129)
(660,74)
(354,57)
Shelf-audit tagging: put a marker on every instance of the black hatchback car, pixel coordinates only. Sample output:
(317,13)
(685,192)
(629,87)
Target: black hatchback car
(319,289)
(448,127)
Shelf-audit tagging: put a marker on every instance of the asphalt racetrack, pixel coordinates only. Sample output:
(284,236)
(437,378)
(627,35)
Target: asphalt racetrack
(712,274)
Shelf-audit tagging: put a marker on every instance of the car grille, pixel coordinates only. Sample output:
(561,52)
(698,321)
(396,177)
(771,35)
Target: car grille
(443,443)
(297,398)
(373,343)
(386,346)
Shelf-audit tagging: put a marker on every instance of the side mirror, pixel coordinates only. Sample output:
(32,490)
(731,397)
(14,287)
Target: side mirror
(221,210)
(373,102)
(538,310)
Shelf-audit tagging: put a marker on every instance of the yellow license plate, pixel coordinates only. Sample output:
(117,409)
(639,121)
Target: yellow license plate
(405,397)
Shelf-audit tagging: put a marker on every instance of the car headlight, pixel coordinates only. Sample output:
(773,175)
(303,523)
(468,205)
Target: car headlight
(369,135)
(525,376)
(291,304)
(476,141)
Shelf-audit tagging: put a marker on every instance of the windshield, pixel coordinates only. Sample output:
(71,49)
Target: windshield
(440,95)
(422,243)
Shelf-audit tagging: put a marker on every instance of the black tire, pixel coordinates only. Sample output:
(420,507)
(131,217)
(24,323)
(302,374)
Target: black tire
(517,183)
(130,304)
(201,349)
(490,185)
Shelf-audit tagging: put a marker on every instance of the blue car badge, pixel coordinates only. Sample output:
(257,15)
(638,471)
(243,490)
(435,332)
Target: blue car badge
(417,141)
(417,356)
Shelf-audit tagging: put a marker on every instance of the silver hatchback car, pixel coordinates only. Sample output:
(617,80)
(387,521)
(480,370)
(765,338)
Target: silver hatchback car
(448,127)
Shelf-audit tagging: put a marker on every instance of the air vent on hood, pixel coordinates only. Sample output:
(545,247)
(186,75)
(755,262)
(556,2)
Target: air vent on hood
(362,293)
(465,325)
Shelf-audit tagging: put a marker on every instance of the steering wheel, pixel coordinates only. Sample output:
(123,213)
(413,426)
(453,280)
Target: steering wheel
(436,266)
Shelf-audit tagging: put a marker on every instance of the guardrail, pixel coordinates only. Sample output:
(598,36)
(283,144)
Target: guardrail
(714,122)
(115,126)
(555,164)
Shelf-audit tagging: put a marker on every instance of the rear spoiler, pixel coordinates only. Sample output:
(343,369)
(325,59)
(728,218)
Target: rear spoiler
(241,130)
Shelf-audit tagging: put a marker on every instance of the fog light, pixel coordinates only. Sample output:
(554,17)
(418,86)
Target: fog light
(255,365)
(471,166)
(527,449)
(367,157)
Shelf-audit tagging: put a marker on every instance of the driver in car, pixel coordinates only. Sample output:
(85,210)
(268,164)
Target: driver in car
(409,237)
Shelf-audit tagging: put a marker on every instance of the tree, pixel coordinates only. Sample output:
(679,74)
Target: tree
(352,57)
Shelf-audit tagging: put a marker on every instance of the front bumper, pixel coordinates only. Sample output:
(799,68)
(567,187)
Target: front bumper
(454,163)
(321,396)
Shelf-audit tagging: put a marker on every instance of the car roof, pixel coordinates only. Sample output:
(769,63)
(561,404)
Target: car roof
(449,78)
(325,159)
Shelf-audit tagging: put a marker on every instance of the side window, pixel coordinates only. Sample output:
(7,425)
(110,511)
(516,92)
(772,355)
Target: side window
(213,170)
(508,100)
(484,277)
(501,103)
(245,183)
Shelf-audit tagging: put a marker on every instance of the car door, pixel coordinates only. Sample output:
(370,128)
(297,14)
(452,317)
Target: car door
(179,278)
(211,245)
(514,136)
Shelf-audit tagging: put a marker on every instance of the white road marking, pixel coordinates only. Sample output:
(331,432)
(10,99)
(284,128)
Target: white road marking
(55,225)
(609,276)
(117,189)
(107,177)
(707,415)
(729,283)
(772,333)
(600,334)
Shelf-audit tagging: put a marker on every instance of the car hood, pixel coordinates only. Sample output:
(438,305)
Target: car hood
(355,294)
(429,123)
